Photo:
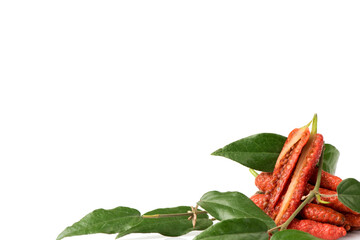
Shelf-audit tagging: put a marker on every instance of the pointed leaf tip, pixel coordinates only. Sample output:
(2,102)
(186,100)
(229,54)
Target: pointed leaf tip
(259,151)
(217,152)
(349,193)
(103,221)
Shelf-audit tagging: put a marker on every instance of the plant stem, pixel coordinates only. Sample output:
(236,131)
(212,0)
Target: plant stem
(303,204)
(314,125)
(172,215)
(307,125)
(318,199)
(253,172)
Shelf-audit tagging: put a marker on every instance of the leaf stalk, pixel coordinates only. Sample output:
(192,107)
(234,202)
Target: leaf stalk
(253,172)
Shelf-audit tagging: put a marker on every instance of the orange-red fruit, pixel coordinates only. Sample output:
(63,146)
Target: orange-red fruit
(259,200)
(263,181)
(321,230)
(285,165)
(316,212)
(334,201)
(353,220)
(297,187)
(322,214)
(328,180)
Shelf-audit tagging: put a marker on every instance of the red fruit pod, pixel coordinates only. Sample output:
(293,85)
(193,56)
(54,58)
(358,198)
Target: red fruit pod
(322,214)
(331,197)
(320,230)
(263,181)
(328,180)
(297,187)
(285,165)
(353,220)
(259,200)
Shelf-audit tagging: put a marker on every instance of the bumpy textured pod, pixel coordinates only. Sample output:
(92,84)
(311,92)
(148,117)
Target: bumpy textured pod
(352,220)
(285,165)
(334,202)
(304,168)
(259,200)
(321,230)
(316,212)
(322,214)
(328,180)
(263,181)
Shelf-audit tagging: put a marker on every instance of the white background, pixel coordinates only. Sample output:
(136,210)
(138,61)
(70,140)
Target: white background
(120,103)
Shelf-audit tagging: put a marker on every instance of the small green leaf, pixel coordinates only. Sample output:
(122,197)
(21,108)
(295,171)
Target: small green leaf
(229,205)
(349,193)
(331,156)
(259,151)
(168,226)
(293,235)
(236,229)
(103,221)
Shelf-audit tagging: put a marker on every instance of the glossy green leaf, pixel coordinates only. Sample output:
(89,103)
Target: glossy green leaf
(229,205)
(259,151)
(236,229)
(331,156)
(349,193)
(168,226)
(293,235)
(104,221)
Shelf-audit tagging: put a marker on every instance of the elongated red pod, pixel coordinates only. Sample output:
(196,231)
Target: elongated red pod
(285,165)
(263,181)
(321,230)
(353,220)
(333,200)
(259,200)
(304,168)
(322,214)
(316,212)
(328,180)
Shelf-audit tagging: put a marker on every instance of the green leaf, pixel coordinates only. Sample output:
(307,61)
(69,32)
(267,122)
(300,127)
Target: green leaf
(259,151)
(168,226)
(331,156)
(229,205)
(236,229)
(349,193)
(293,235)
(103,221)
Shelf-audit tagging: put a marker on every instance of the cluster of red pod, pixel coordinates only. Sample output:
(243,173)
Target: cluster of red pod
(294,176)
